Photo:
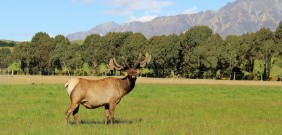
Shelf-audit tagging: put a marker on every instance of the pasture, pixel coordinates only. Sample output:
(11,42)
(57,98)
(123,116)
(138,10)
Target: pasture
(151,108)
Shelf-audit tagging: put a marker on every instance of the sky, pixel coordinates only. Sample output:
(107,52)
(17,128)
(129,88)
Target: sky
(21,19)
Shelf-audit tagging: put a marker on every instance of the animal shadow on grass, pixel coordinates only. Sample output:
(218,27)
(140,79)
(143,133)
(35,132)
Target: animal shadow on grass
(97,122)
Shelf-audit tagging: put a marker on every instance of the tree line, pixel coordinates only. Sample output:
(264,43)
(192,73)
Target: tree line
(196,53)
(4,43)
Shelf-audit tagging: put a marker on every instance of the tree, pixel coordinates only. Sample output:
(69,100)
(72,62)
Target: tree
(188,42)
(194,37)
(133,46)
(110,46)
(165,52)
(22,54)
(265,50)
(7,43)
(91,49)
(42,43)
(59,52)
(230,54)
(5,57)
(91,40)
(246,56)
(278,33)
(73,58)
(212,54)
(206,57)
(278,42)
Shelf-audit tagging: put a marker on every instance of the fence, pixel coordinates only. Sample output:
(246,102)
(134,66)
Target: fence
(22,79)
(11,80)
(38,79)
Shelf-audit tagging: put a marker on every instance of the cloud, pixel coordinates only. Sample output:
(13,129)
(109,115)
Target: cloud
(88,2)
(119,11)
(128,7)
(191,10)
(72,1)
(145,18)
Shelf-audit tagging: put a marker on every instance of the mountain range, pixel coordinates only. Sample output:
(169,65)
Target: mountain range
(235,18)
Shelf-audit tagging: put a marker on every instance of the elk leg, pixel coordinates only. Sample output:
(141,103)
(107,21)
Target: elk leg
(107,113)
(75,114)
(69,111)
(112,111)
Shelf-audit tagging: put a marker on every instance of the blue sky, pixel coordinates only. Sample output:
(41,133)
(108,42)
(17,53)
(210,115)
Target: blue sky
(21,19)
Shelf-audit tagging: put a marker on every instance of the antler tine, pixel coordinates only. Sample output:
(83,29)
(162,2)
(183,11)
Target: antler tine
(138,61)
(125,62)
(116,64)
(146,60)
(113,65)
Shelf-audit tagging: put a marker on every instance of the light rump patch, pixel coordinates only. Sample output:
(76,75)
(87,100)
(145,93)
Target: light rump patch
(70,85)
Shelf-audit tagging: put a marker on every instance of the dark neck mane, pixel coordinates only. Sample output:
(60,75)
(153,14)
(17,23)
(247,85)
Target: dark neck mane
(128,83)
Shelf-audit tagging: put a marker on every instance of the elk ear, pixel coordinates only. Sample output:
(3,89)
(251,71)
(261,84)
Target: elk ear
(125,73)
(139,71)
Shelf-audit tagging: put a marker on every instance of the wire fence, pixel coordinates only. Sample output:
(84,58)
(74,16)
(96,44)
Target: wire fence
(32,79)
(7,77)
(9,80)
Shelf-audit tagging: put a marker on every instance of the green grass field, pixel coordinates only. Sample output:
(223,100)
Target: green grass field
(150,109)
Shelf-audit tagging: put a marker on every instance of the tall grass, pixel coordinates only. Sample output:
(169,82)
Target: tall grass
(149,109)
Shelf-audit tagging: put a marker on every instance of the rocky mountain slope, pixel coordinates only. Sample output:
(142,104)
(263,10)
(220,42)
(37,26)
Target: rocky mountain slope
(235,18)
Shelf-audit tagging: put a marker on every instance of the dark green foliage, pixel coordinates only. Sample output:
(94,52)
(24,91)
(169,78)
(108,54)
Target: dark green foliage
(41,47)
(73,57)
(133,46)
(7,43)
(5,58)
(264,49)
(278,41)
(197,53)
(22,53)
(166,54)
(58,55)
(191,61)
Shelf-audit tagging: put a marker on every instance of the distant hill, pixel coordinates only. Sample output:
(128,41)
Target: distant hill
(236,18)
(101,29)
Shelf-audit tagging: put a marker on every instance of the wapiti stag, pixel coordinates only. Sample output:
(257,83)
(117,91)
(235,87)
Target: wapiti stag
(104,92)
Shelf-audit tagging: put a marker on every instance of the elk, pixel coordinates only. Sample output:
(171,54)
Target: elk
(105,92)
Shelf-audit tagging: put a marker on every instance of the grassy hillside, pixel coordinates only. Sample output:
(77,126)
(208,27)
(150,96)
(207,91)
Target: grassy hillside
(80,42)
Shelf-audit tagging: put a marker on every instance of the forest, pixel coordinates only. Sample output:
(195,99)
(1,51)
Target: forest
(196,53)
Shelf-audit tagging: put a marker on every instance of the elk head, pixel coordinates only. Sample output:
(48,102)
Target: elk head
(127,70)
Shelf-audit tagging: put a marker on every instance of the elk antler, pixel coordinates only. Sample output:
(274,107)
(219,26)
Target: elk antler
(143,63)
(125,62)
(117,65)
(113,65)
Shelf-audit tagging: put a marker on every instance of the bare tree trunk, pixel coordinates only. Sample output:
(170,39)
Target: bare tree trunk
(264,71)
(68,72)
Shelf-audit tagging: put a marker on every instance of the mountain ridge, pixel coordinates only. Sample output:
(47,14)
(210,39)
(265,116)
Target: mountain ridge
(235,18)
